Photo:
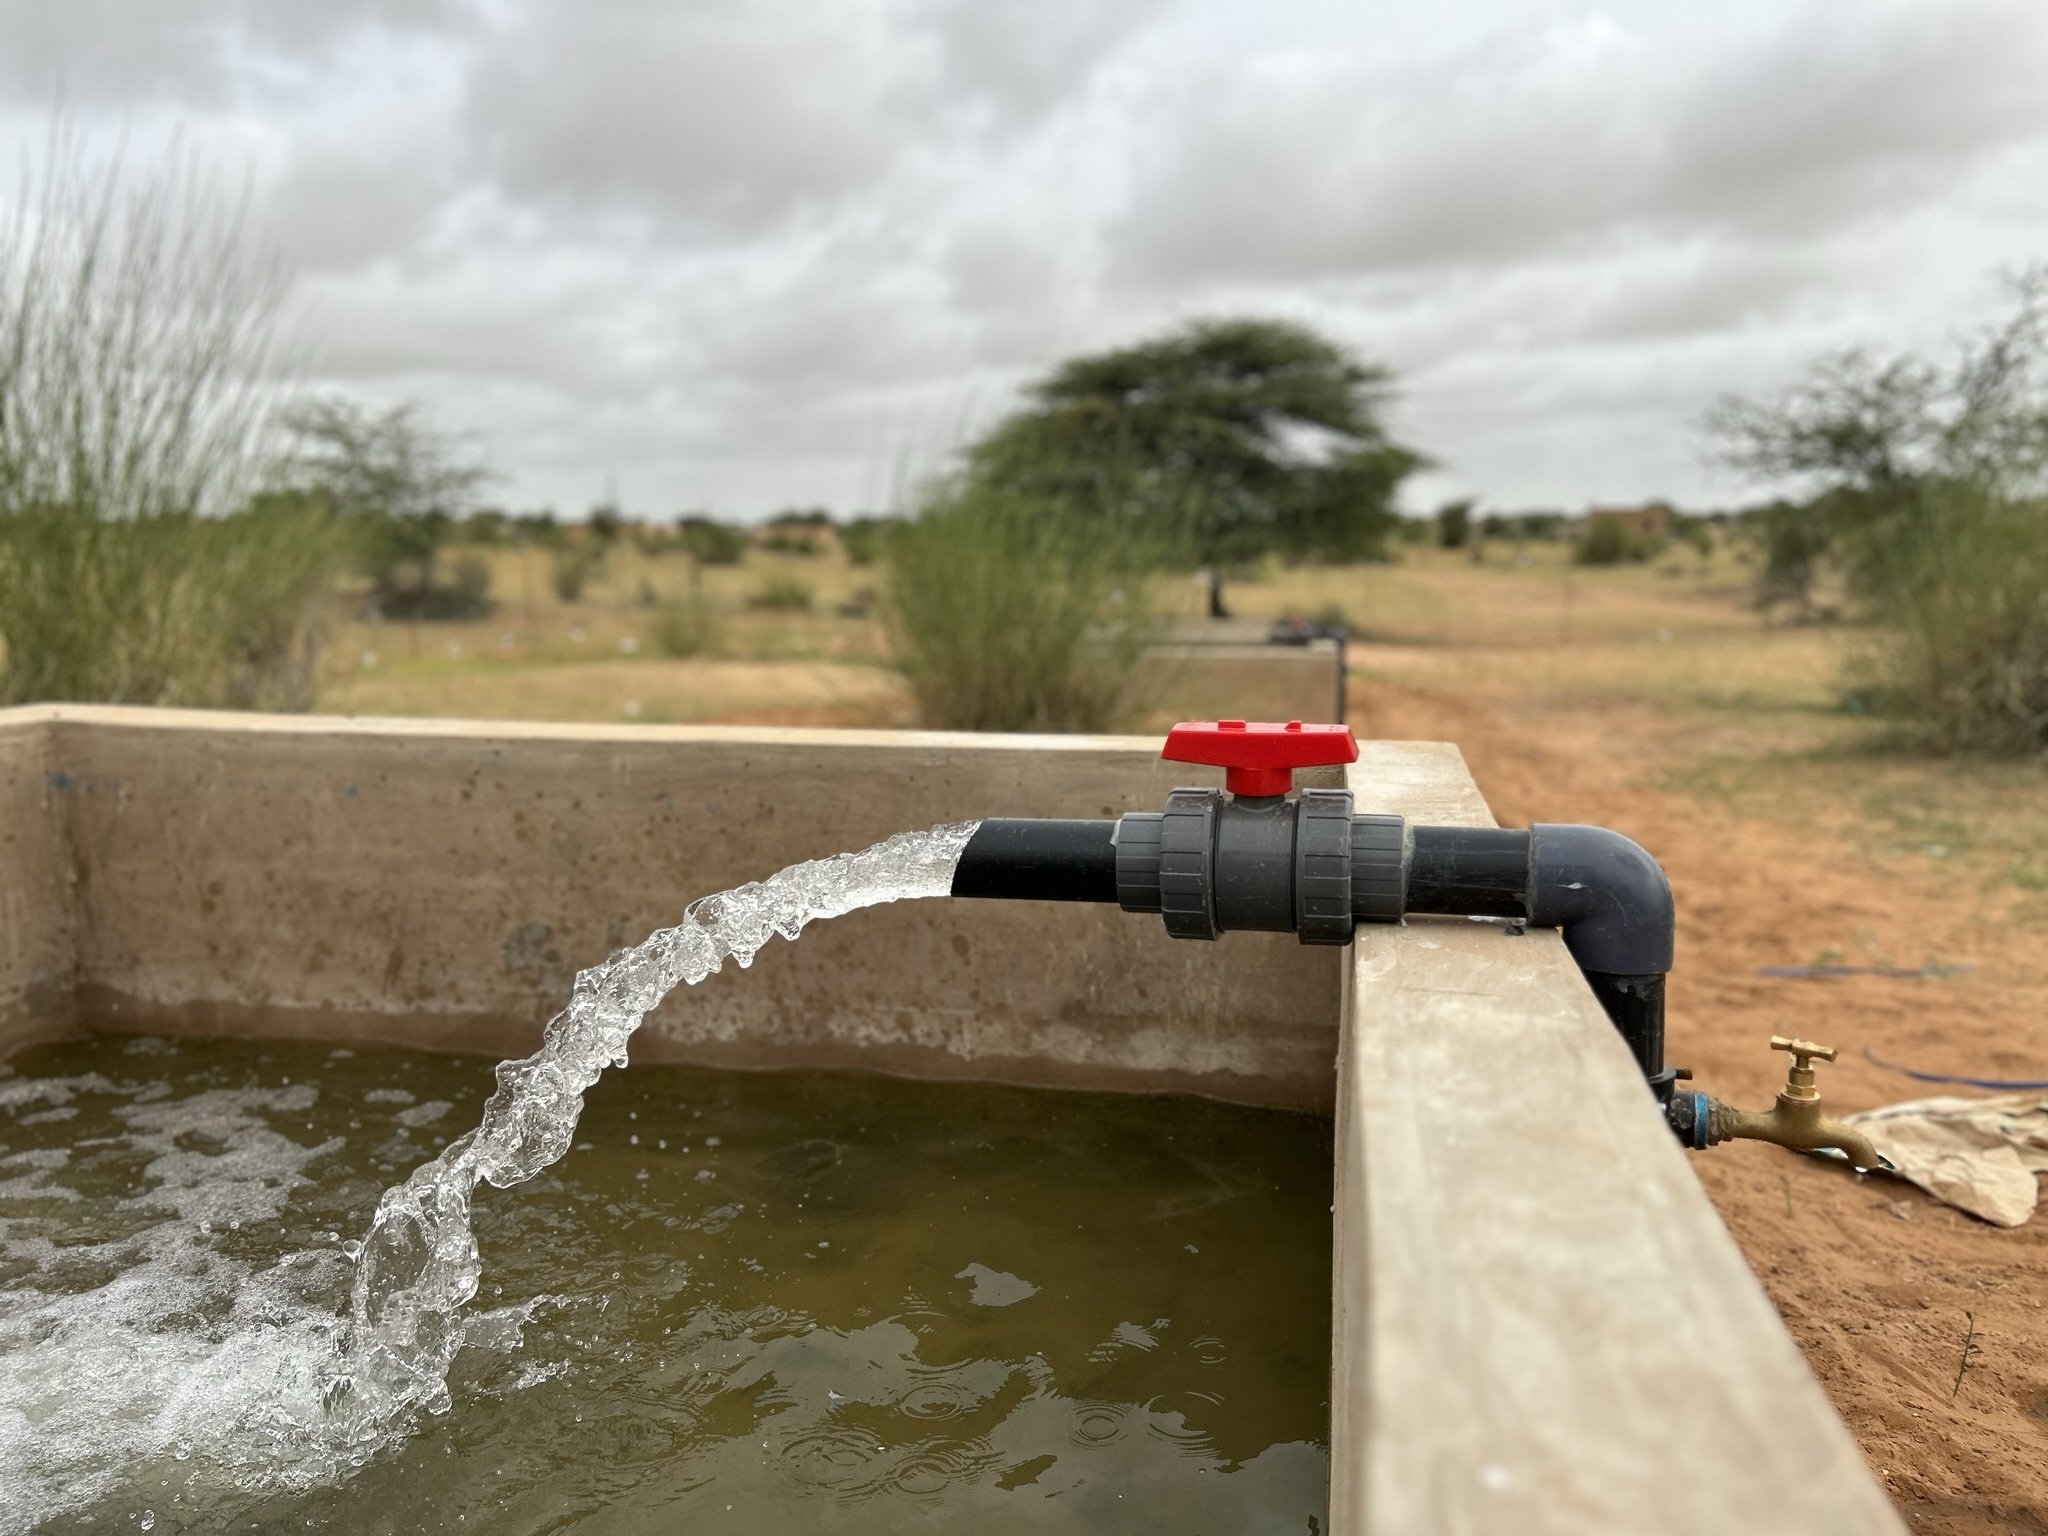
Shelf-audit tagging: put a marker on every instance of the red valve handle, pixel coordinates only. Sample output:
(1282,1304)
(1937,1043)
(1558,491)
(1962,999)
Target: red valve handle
(1259,759)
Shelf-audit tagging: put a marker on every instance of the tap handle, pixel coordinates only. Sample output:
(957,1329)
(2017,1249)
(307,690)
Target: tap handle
(1259,759)
(1803,1051)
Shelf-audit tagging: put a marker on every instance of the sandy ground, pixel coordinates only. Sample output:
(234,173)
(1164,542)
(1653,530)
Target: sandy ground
(1877,1282)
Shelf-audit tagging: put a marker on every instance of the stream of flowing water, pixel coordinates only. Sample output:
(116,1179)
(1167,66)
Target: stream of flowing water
(417,1267)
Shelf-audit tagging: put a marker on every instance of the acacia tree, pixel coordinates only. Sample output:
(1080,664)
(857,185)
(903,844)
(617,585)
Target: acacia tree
(402,486)
(1224,439)
(1876,441)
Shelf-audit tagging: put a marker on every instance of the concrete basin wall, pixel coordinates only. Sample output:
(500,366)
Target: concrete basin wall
(439,883)
(1245,679)
(36,945)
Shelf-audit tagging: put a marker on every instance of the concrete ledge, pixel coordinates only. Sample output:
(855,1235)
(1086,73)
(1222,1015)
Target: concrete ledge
(1541,1325)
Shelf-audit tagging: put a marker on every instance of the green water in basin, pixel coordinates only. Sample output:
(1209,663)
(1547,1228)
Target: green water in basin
(761,1303)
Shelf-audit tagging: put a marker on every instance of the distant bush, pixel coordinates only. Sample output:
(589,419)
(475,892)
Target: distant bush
(789,541)
(1965,593)
(605,523)
(711,543)
(1793,539)
(1610,541)
(540,529)
(140,561)
(1696,533)
(1454,524)
(1015,612)
(488,529)
(687,628)
(467,592)
(782,592)
(863,538)
(572,568)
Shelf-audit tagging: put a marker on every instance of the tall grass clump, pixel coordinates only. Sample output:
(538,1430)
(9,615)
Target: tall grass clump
(140,561)
(1016,612)
(687,627)
(782,592)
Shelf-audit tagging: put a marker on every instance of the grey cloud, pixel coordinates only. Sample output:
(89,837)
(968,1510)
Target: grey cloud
(1028,56)
(116,51)
(343,199)
(1568,139)
(748,253)
(721,117)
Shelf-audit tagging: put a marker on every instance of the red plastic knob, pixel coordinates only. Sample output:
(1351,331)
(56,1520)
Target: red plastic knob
(1259,759)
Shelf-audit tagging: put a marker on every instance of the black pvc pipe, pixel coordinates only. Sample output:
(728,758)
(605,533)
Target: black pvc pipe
(1604,893)
(1469,871)
(1635,1006)
(1607,896)
(1033,860)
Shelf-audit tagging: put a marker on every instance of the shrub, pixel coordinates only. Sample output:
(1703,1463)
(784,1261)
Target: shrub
(573,566)
(711,543)
(487,529)
(863,538)
(1794,539)
(467,592)
(537,528)
(1696,533)
(1963,591)
(1610,541)
(787,541)
(139,560)
(1013,612)
(687,628)
(782,592)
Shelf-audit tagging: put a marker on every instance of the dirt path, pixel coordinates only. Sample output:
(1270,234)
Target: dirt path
(1876,1281)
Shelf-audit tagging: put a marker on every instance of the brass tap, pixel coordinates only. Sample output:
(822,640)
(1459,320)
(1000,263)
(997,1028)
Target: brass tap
(1795,1121)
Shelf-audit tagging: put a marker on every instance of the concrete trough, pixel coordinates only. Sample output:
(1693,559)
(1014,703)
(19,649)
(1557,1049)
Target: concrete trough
(1540,1324)
(1233,672)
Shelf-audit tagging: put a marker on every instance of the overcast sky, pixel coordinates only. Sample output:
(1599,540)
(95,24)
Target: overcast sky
(742,256)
